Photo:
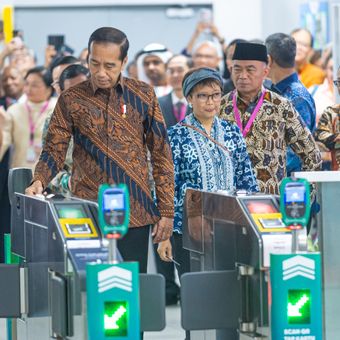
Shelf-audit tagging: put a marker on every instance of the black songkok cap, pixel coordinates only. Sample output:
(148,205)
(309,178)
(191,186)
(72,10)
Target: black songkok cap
(250,51)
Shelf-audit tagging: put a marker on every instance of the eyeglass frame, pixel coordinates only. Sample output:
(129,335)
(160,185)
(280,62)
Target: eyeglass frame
(208,96)
(336,82)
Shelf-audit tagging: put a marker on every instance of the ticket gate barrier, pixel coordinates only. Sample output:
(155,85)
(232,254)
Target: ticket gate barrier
(328,233)
(113,288)
(296,310)
(295,207)
(55,238)
(230,237)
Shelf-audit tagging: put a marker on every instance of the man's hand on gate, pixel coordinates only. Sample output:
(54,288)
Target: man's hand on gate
(35,188)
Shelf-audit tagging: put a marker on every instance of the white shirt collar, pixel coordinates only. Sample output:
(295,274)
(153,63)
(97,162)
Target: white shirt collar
(175,99)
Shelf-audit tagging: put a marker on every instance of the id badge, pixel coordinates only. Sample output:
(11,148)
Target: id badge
(31,155)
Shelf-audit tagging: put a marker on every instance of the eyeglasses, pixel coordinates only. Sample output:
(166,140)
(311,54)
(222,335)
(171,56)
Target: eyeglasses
(179,70)
(303,44)
(336,82)
(203,97)
(204,56)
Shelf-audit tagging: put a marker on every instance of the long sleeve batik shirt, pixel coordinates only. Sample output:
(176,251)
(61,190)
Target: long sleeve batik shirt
(112,130)
(328,130)
(276,126)
(292,89)
(329,127)
(203,165)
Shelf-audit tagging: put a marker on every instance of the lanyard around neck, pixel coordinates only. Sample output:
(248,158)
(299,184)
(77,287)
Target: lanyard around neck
(31,121)
(253,114)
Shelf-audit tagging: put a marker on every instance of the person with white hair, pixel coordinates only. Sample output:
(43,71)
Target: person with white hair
(205,54)
(151,65)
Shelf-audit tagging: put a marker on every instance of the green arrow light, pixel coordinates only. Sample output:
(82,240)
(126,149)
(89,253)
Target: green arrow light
(110,322)
(298,306)
(115,318)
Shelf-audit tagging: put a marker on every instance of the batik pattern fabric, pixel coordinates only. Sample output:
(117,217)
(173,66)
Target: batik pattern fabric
(329,126)
(292,89)
(203,165)
(112,130)
(276,126)
(328,130)
(60,183)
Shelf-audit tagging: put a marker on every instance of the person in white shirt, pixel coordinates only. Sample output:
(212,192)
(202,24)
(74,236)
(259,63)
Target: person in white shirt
(151,67)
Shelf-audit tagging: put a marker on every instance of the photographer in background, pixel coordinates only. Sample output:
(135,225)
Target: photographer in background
(205,28)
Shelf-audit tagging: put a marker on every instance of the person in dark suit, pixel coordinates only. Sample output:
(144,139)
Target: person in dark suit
(174,105)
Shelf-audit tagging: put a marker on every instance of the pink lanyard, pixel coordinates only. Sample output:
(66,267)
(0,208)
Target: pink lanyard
(252,117)
(30,119)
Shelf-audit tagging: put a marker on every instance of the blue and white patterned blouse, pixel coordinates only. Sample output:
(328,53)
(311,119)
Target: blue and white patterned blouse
(202,164)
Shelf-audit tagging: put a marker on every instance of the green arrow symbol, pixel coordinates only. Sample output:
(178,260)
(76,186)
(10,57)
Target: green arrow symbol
(294,309)
(110,322)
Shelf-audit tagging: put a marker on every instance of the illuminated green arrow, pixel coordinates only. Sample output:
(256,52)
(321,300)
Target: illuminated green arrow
(110,322)
(294,309)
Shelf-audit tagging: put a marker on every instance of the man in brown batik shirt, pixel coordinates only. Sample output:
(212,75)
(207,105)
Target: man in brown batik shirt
(113,121)
(268,122)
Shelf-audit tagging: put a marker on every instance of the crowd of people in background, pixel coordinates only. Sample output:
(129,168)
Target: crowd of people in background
(272,108)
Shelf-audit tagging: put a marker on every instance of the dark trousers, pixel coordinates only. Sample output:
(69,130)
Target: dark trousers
(167,269)
(134,246)
(5,208)
(182,256)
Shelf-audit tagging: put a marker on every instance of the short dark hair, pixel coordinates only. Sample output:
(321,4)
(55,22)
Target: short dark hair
(296,30)
(282,48)
(43,73)
(110,35)
(234,42)
(62,60)
(70,72)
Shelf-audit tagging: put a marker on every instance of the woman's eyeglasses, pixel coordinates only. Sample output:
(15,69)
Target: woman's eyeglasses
(203,97)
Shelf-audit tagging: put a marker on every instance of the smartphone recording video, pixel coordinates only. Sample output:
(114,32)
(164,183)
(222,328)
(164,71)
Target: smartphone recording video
(206,15)
(56,40)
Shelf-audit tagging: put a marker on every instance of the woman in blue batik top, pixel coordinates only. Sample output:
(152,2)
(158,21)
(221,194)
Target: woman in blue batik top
(209,153)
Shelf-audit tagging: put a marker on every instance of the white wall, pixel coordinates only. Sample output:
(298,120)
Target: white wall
(246,19)
(283,15)
(142,24)
(257,18)
(63,3)
(280,16)
(239,18)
